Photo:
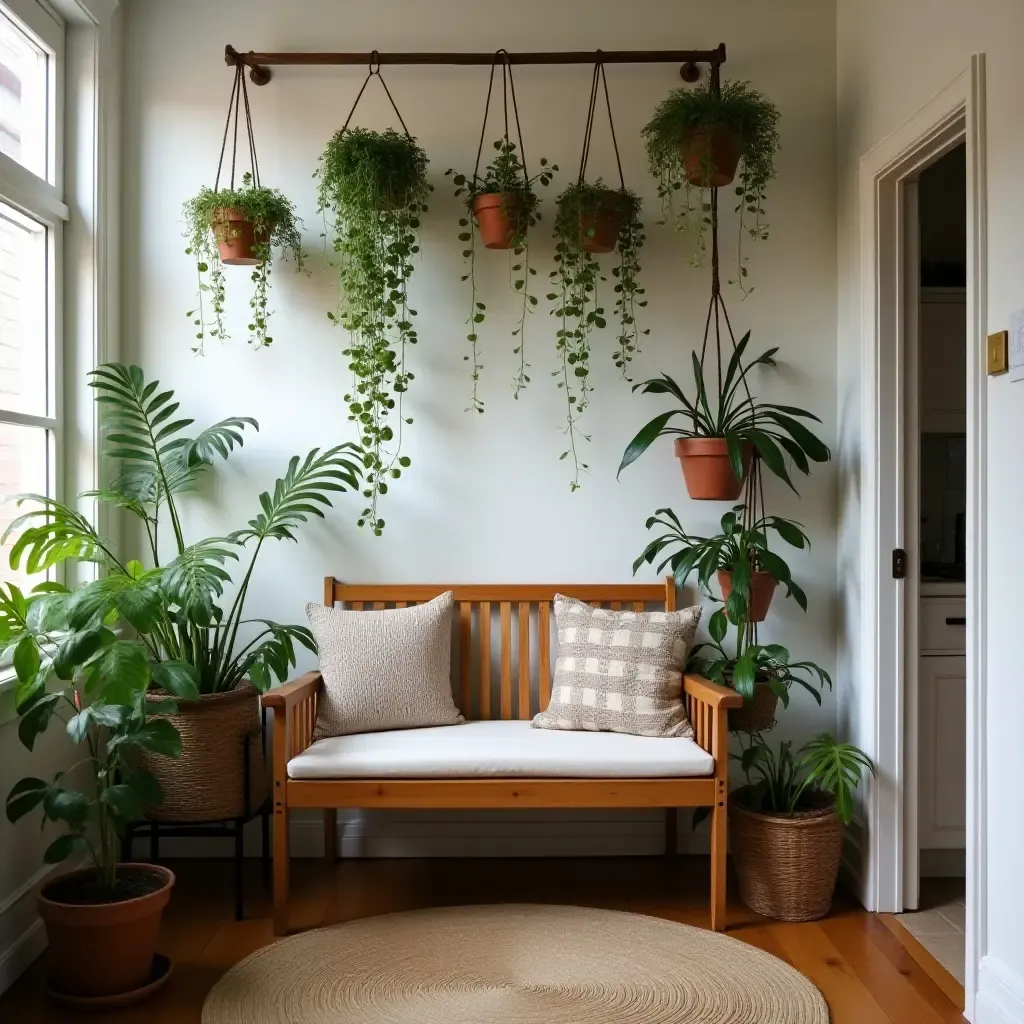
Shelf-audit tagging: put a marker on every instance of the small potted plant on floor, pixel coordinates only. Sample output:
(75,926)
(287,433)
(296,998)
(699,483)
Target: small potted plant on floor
(726,430)
(182,604)
(786,825)
(695,141)
(501,210)
(72,668)
(592,218)
(373,187)
(747,570)
(238,227)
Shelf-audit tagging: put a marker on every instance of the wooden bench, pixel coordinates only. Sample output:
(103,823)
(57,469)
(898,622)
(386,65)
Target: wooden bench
(519,664)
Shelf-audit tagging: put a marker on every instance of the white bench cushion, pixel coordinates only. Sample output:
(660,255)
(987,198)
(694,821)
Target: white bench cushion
(493,749)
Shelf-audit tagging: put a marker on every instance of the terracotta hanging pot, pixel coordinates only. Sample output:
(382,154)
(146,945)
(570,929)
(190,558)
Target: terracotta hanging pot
(758,712)
(599,229)
(104,949)
(498,218)
(759,595)
(707,470)
(237,238)
(709,160)
(786,864)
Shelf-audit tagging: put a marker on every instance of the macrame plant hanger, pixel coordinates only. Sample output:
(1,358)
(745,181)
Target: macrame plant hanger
(375,72)
(599,79)
(239,94)
(508,89)
(753,484)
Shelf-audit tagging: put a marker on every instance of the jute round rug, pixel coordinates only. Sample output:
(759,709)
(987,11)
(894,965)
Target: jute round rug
(513,964)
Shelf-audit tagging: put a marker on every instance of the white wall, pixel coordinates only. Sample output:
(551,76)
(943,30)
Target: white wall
(893,56)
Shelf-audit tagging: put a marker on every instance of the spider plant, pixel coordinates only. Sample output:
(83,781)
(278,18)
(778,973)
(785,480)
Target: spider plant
(740,549)
(734,415)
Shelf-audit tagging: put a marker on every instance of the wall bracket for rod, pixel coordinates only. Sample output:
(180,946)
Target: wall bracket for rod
(689,60)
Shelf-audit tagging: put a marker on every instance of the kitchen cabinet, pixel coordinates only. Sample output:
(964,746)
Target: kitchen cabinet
(942,347)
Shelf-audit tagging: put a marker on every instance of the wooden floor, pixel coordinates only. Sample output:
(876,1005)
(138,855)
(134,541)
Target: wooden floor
(857,959)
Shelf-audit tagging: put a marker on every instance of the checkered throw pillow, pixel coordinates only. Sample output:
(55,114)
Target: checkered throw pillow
(619,671)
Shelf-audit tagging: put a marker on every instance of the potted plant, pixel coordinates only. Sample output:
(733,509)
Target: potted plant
(238,227)
(761,673)
(502,208)
(786,825)
(695,141)
(747,570)
(716,448)
(373,185)
(72,668)
(181,604)
(592,218)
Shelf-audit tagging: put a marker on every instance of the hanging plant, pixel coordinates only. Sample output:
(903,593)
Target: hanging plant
(695,141)
(501,208)
(373,186)
(238,227)
(591,219)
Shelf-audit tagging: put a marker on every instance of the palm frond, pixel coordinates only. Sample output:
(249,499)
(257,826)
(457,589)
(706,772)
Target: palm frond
(195,579)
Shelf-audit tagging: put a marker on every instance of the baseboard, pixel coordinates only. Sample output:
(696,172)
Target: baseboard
(1000,997)
(467,834)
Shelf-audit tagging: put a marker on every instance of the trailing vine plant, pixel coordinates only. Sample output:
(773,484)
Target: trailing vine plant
(373,187)
(238,227)
(504,177)
(688,129)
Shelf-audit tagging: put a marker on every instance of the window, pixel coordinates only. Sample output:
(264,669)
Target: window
(31,216)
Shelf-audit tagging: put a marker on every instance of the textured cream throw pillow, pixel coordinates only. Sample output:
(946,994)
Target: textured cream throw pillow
(619,671)
(384,669)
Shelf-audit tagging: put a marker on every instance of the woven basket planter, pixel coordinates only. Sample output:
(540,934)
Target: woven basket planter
(208,780)
(758,713)
(786,864)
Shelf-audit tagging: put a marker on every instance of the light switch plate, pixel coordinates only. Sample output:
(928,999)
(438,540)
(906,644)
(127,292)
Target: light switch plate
(998,351)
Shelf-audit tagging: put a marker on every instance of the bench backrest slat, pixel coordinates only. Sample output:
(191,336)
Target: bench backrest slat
(524,656)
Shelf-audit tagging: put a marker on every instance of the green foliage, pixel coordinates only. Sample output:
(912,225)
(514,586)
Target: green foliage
(576,277)
(780,783)
(374,187)
(774,431)
(740,549)
(74,670)
(175,606)
(752,121)
(505,176)
(277,227)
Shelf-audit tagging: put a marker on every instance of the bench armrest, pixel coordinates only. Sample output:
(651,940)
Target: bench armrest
(293,692)
(711,693)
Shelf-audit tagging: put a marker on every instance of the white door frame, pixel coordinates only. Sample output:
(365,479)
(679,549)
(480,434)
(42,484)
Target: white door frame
(955,115)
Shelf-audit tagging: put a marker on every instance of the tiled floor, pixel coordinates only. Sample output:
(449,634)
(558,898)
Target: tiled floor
(939,924)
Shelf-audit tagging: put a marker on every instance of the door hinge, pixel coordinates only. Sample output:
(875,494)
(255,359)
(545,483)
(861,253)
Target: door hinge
(899,564)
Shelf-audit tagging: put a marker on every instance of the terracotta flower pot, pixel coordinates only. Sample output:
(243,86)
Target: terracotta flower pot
(707,470)
(786,864)
(709,161)
(237,238)
(757,713)
(103,949)
(599,230)
(498,218)
(759,596)
(208,780)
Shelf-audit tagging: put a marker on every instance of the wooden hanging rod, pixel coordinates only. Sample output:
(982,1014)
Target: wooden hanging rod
(259,63)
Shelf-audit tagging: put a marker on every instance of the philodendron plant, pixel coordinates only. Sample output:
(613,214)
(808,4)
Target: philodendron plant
(772,430)
(242,226)
(75,670)
(501,209)
(740,550)
(177,603)
(373,185)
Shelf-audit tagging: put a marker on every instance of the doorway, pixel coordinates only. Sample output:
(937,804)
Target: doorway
(935,286)
(888,646)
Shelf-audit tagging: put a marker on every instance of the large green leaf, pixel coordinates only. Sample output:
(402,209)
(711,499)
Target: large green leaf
(68,805)
(25,796)
(195,579)
(51,533)
(26,659)
(136,598)
(157,735)
(178,678)
(77,648)
(117,673)
(110,716)
(647,435)
(64,846)
(36,718)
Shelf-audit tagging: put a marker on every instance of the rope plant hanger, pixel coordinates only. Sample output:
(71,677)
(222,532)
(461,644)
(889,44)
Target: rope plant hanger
(372,186)
(593,218)
(238,226)
(501,209)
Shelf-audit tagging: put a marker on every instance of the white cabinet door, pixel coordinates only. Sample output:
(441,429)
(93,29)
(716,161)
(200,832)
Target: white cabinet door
(942,746)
